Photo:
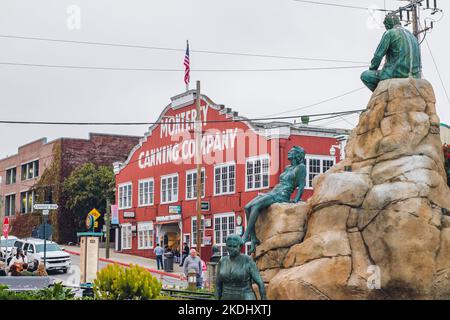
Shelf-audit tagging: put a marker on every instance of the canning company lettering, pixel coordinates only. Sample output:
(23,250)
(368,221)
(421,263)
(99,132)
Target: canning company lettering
(178,129)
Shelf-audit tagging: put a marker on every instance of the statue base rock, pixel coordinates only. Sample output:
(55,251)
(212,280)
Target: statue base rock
(379,231)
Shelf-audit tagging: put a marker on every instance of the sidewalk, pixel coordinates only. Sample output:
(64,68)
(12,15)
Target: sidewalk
(127,259)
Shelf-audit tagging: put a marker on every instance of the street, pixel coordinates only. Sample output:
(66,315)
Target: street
(72,277)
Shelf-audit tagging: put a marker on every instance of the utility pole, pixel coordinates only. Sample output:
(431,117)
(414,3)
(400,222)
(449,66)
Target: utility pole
(409,14)
(107,224)
(198,140)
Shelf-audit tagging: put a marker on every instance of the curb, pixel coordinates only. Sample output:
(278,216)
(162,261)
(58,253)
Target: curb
(128,264)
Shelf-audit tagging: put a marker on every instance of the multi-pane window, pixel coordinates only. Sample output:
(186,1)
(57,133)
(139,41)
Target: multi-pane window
(10,205)
(11,175)
(145,235)
(257,173)
(317,165)
(224,226)
(125,192)
(191,184)
(126,236)
(194,230)
(27,200)
(146,192)
(224,178)
(169,189)
(30,170)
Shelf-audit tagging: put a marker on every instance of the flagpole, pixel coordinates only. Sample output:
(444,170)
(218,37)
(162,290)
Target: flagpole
(187,84)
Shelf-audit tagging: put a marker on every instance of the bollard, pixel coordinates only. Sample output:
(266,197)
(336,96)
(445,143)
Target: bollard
(192,280)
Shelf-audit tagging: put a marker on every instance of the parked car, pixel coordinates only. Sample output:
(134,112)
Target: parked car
(6,246)
(56,258)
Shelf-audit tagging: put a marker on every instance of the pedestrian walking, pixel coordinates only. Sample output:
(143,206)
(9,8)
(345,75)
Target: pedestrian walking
(159,251)
(19,257)
(193,262)
(185,253)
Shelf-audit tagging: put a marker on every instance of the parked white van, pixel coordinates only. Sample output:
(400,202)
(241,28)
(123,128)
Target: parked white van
(56,258)
(6,245)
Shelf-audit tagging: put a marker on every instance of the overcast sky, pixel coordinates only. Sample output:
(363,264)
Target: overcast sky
(268,27)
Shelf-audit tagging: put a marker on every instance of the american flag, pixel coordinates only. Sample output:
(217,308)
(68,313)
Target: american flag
(187,68)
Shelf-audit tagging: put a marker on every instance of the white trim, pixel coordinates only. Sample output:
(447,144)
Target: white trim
(221,165)
(221,215)
(309,157)
(203,187)
(10,167)
(122,235)
(28,161)
(123,184)
(253,158)
(151,228)
(192,245)
(139,193)
(172,175)
(9,194)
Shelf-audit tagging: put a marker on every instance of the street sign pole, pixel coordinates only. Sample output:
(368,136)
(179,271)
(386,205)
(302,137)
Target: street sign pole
(107,217)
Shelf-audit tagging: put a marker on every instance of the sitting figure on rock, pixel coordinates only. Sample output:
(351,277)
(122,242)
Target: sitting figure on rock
(402,53)
(294,176)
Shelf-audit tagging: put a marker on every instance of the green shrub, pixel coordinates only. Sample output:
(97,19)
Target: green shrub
(56,292)
(119,283)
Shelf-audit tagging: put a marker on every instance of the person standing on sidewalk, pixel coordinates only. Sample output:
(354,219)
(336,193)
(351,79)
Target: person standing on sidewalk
(185,253)
(194,262)
(159,256)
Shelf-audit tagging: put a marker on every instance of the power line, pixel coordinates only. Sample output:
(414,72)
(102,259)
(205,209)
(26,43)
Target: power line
(177,49)
(171,122)
(174,70)
(437,70)
(339,5)
(317,103)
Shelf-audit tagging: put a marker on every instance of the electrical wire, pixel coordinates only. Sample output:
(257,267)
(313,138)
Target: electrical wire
(167,122)
(437,70)
(175,70)
(176,49)
(317,103)
(339,5)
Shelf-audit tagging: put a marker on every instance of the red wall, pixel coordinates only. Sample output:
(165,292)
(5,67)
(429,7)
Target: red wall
(218,204)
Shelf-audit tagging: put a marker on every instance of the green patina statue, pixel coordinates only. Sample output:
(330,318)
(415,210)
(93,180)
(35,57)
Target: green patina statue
(402,53)
(294,176)
(236,274)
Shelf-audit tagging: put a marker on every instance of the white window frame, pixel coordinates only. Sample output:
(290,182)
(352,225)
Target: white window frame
(226,164)
(14,212)
(27,195)
(194,186)
(219,243)
(316,157)
(151,195)
(252,159)
(123,227)
(123,185)
(26,164)
(9,182)
(173,175)
(142,229)
(194,220)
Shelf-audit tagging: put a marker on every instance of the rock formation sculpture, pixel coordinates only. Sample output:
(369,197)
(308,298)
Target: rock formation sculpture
(378,224)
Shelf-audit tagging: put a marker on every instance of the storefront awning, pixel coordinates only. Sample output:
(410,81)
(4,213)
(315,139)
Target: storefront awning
(167,222)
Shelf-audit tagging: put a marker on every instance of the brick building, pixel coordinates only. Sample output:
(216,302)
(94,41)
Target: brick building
(156,185)
(22,175)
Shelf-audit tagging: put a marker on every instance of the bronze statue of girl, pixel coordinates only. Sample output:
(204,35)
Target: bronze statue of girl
(294,176)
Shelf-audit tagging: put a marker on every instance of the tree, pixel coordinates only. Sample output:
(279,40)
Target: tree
(86,188)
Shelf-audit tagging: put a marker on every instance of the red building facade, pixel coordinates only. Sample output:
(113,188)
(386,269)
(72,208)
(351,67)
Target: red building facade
(156,186)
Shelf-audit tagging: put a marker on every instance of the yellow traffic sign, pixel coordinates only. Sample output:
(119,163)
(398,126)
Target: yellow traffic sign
(95,213)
